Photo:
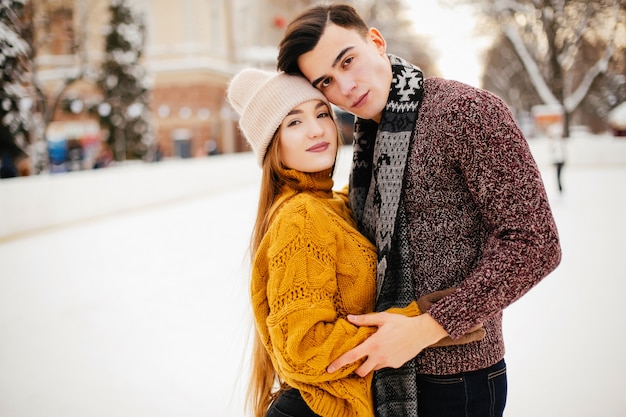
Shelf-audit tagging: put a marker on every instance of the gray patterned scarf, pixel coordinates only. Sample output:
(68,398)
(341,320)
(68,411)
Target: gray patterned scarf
(376,188)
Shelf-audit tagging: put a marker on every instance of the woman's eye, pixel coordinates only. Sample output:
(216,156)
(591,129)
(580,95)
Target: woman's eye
(325,83)
(293,123)
(347,62)
(323,114)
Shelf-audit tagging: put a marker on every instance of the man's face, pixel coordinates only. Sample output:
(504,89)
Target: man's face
(353,73)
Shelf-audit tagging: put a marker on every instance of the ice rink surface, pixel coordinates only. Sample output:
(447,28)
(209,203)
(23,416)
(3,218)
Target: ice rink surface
(144,313)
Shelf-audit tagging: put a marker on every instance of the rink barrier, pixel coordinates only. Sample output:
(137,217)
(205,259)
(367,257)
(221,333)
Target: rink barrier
(37,203)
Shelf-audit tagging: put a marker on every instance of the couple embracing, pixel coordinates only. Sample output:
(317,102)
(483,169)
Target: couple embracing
(384,298)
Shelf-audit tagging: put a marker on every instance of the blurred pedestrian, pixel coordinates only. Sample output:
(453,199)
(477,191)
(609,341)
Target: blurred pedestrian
(7,167)
(444,183)
(75,155)
(557,151)
(310,265)
(104,158)
(14,161)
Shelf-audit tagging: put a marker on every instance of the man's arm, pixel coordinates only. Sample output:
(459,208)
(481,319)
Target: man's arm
(382,348)
(521,245)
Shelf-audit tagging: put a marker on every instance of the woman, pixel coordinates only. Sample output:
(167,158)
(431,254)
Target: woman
(310,265)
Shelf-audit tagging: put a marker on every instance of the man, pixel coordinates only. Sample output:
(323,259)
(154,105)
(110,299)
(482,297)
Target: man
(444,183)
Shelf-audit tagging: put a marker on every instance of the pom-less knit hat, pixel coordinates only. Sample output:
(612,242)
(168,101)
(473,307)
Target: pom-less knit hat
(263,99)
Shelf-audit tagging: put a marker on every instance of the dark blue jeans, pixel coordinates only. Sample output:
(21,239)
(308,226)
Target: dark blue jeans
(479,393)
(289,403)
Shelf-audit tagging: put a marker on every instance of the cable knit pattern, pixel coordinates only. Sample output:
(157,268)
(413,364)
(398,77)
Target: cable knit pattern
(312,269)
(478,218)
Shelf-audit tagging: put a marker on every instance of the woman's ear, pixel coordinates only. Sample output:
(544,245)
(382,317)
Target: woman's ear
(377,38)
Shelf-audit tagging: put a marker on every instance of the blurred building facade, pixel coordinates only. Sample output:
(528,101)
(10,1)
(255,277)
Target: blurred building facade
(193,47)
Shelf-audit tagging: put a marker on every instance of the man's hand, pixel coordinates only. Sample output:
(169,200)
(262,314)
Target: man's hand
(397,340)
(400,338)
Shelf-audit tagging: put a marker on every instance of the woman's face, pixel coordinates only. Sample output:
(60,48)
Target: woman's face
(308,138)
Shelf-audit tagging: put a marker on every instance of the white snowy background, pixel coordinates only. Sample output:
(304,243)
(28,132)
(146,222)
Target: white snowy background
(143,312)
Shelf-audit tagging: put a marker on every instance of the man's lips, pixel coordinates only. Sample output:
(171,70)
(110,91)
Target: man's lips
(319,147)
(360,100)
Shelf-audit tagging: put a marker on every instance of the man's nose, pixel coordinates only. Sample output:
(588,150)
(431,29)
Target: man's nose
(346,84)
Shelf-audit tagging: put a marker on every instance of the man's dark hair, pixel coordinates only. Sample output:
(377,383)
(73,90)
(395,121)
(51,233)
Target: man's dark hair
(305,31)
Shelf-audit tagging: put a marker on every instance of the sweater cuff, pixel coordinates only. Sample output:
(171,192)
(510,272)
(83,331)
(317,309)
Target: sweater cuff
(411,310)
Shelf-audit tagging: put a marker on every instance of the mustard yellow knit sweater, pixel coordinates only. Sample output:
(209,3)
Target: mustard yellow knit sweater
(311,270)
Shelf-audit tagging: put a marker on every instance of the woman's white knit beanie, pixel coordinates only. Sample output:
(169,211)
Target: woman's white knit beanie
(263,99)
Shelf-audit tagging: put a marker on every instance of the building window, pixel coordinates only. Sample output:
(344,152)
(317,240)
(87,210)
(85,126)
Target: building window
(61,28)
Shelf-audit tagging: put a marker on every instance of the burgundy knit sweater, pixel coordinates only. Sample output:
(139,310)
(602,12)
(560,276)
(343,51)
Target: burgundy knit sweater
(479,218)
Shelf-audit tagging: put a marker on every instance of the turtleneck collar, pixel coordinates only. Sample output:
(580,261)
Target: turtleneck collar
(317,181)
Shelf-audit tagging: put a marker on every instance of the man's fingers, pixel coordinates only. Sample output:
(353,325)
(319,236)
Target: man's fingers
(347,358)
(365,368)
(372,319)
(351,356)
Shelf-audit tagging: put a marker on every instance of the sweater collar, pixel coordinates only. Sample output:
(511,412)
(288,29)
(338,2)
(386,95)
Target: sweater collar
(317,181)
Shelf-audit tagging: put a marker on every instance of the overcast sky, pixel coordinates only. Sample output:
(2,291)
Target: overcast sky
(452,33)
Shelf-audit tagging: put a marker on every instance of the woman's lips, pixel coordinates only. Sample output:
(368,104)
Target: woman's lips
(319,147)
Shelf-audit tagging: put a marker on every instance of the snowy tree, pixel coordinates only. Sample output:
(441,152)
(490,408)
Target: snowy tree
(55,25)
(52,28)
(506,76)
(123,80)
(14,97)
(609,89)
(563,45)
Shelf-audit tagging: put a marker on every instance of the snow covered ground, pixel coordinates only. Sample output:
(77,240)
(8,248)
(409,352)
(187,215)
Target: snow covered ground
(144,312)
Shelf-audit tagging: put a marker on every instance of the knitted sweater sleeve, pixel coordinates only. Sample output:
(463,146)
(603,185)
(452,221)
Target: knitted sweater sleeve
(522,245)
(306,325)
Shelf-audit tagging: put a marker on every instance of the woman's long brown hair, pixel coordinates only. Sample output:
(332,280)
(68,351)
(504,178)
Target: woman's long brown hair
(265,383)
